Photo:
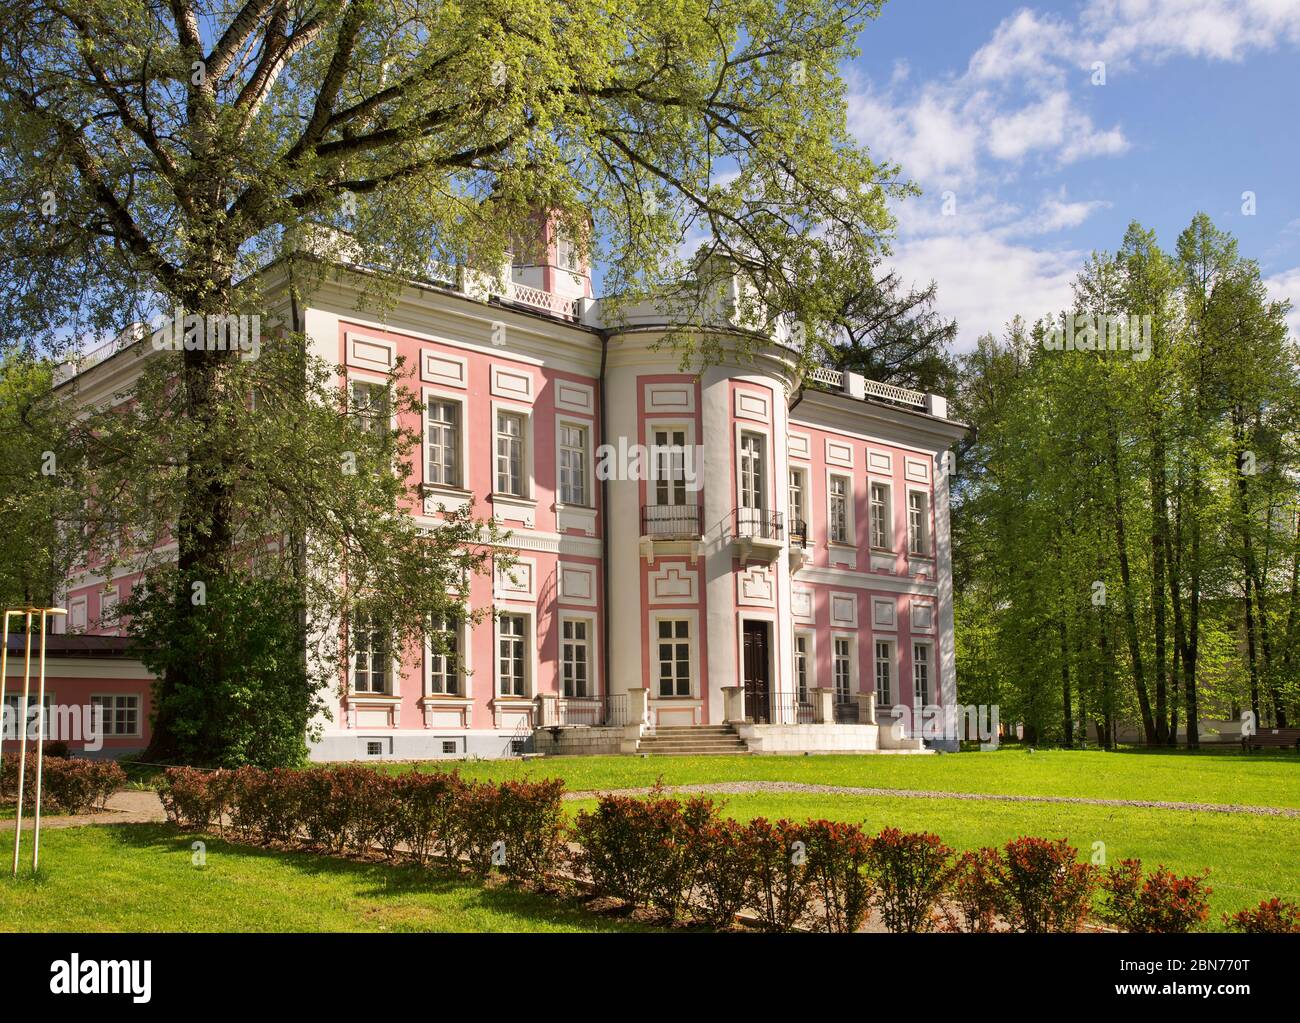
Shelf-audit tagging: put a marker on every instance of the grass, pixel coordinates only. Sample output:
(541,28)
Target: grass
(139,877)
(1257,779)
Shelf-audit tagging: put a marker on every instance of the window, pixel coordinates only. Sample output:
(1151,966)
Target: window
(511,652)
(670,466)
(796,499)
(444,657)
(374,748)
(880,516)
(121,713)
(575,657)
(13,714)
(918,524)
(843,669)
(884,674)
(801,665)
(449,745)
(674,657)
(839,509)
(370,403)
(573,465)
(921,672)
(753,495)
(371,657)
(510,454)
(444,443)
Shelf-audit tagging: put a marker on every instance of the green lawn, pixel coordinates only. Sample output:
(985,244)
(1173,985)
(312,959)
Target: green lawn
(139,877)
(1258,779)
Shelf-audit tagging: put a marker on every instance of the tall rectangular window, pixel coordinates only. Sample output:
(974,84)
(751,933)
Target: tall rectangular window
(921,672)
(670,466)
(753,496)
(370,403)
(512,652)
(880,516)
(371,654)
(839,509)
(444,658)
(443,443)
(575,657)
(918,523)
(801,665)
(843,669)
(573,465)
(796,500)
(884,674)
(674,657)
(510,454)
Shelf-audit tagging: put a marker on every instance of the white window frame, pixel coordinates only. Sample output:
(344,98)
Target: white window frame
(809,657)
(112,733)
(850,528)
(462,446)
(743,491)
(669,426)
(529,617)
(926,531)
(563,423)
(890,663)
(692,656)
(593,676)
(887,525)
(852,641)
(797,508)
(16,699)
(527,441)
(392,670)
(461,631)
(928,647)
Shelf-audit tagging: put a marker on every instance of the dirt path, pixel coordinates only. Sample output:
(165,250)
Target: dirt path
(746,787)
(130,806)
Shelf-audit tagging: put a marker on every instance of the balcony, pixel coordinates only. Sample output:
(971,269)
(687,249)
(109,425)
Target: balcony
(800,551)
(759,530)
(670,521)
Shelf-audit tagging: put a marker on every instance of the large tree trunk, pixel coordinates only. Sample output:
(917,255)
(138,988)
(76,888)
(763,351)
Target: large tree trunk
(1067,719)
(1159,544)
(1130,612)
(1182,650)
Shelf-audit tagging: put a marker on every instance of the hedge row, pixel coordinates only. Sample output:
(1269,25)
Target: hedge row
(684,859)
(68,785)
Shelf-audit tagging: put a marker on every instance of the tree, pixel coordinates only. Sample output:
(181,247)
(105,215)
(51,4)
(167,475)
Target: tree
(162,156)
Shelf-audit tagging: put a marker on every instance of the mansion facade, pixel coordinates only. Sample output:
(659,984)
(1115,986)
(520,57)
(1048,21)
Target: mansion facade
(734,558)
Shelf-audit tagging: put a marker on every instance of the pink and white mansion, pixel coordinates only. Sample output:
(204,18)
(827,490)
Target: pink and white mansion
(780,580)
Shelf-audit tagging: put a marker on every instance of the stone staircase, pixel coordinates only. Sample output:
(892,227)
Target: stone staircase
(692,741)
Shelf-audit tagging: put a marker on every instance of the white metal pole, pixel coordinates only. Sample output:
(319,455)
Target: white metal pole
(40,745)
(4,677)
(22,734)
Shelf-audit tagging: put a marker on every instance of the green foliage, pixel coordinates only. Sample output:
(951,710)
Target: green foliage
(256,708)
(1162,903)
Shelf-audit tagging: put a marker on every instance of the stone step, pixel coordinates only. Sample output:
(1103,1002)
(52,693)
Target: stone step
(695,730)
(694,747)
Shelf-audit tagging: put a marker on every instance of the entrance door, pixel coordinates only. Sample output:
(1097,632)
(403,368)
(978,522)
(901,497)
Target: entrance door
(758,673)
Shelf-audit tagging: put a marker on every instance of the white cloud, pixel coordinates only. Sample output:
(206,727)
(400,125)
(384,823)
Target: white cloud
(1286,285)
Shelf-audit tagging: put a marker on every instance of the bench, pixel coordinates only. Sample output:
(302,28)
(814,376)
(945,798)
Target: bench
(1272,738)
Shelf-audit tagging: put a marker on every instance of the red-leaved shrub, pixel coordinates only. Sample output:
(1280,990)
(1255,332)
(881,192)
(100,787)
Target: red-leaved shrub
(1045,887)
(1272,916)
(838,854)
(782,884)
(975,899)
(68,785)
(1162,904)
(722,869)
(910,871)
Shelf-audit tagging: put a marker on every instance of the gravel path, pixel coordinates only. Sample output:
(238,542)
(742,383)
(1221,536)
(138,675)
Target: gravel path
(130,806)
(745,787)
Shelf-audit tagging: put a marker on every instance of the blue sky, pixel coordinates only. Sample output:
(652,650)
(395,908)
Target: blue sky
(995,103)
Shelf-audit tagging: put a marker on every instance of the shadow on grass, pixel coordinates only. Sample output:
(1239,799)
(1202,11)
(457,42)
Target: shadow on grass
(380,880)
(1226,750)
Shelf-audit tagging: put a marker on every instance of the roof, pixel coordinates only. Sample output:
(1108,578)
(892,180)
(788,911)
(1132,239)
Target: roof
(58,645)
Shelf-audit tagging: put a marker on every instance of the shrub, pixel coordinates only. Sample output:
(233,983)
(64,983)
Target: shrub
(722,869)
(75,786)
(473,827)
(911,871)
(782,884)
(266,805)
(58,750)
(837,859)
(530,819)
(427,801)
(975,898)
(1272,916)
(637,850)
(1162,904)
(193,798)
(1045,887)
